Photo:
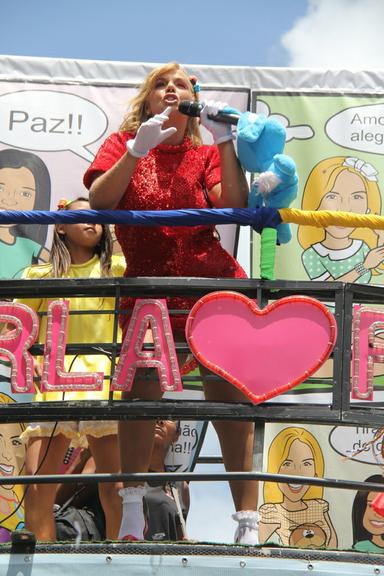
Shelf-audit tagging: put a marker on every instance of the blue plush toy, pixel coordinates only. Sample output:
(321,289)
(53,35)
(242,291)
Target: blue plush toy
(260,143)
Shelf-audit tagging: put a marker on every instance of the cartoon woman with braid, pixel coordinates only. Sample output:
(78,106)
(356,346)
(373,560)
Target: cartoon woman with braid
(339,253)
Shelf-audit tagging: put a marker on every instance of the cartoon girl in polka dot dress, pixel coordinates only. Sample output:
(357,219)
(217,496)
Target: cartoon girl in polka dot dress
(339,253)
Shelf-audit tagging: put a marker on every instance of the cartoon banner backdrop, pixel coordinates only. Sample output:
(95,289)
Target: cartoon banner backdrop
(312,516)
(337,140)
(55,113)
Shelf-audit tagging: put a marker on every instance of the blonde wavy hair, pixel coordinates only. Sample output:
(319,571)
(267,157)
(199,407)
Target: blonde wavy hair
(5,399)
(320,181)
(138,113)
(278,452)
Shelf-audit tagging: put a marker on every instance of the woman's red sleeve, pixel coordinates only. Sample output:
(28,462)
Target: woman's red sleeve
(108,154)
(212,168)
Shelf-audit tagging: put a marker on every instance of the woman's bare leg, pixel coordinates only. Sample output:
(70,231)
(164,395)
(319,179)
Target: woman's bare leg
(40,498)
(236,442)
(105,451)
(136,436)
(136,439)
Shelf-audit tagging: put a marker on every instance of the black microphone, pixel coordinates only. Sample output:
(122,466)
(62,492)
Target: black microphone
(193,108)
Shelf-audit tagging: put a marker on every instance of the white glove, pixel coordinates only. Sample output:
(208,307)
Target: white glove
(220,131)
(150,134)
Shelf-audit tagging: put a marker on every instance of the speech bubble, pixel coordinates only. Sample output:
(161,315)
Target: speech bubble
(357,443)
(49,120)
(182,453)
(358,128)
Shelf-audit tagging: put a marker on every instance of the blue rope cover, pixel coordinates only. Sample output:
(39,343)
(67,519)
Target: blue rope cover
(257,218)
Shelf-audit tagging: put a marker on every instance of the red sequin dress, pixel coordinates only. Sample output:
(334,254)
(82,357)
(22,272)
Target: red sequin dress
(168,178)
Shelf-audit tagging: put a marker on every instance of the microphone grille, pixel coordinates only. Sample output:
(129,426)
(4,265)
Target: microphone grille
(190,108)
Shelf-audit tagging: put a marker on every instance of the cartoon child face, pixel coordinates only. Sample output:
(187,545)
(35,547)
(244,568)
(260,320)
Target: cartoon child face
(372,522)
(299,462)
(17,189)
(12,452)
(348,194)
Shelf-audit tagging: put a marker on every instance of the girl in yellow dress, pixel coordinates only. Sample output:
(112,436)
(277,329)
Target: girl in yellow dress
(78,251)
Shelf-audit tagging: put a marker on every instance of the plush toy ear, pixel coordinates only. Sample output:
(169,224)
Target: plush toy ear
(258,139)
(250,126)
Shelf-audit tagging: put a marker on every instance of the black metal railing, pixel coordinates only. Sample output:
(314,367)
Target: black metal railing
(338,411)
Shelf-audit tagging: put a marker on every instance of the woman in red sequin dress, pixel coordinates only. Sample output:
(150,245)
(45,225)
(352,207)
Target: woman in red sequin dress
(156,162)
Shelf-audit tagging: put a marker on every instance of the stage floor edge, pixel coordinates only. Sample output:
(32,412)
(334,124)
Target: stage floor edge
(176,559)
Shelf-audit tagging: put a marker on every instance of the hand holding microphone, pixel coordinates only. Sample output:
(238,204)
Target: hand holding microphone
(221,132)
(213,114)
(150,134)
(228,115)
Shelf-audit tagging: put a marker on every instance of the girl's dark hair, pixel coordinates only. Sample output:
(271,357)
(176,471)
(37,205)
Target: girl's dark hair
(60,257)
(13,158)
(358,510)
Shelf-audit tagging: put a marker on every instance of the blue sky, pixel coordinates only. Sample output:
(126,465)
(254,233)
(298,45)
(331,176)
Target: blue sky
(200,32)
(282,33)
(296,33)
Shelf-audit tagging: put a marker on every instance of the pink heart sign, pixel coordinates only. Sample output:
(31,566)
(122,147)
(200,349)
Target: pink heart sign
(262,351)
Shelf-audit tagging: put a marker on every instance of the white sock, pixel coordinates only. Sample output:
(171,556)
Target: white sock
(248,529)
(133,520)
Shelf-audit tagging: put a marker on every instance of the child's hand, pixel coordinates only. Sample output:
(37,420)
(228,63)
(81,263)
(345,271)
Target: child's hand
(150,134)
(374,258)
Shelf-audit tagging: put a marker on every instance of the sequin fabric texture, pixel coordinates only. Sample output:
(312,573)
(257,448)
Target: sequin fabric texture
(168,178)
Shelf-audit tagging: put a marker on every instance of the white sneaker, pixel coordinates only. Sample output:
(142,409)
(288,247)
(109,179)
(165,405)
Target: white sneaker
(248,529)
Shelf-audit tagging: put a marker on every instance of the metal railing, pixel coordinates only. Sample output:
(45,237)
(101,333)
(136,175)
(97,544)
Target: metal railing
(339,411)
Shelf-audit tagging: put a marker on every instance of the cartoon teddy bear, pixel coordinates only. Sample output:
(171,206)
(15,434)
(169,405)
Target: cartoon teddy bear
(308,536)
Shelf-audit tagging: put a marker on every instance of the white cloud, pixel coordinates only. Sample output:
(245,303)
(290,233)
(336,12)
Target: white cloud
(338,34)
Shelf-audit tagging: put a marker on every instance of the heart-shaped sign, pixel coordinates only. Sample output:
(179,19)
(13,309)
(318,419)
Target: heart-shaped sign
(262,351)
